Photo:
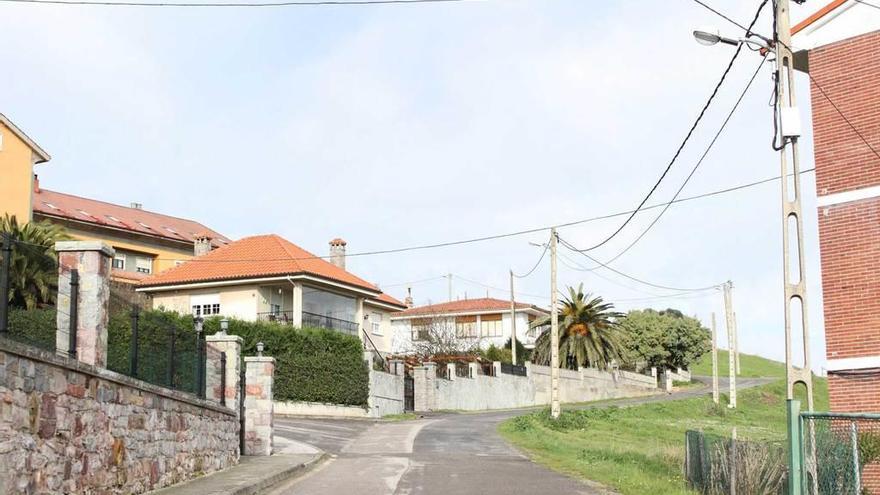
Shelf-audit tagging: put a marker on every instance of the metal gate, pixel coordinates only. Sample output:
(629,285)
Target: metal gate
(242,393)
(409,393)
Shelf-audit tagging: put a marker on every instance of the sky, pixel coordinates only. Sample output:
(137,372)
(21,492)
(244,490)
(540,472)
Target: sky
(400,125)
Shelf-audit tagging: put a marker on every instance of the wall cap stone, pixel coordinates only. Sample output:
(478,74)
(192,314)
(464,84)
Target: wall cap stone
(223,338)
(259,359)
(61,246)
(53,359)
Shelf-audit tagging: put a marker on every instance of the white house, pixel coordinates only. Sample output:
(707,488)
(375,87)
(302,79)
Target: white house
(269,278)
(480,322)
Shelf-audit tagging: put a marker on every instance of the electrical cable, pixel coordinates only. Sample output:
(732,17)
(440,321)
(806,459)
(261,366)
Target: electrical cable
(687,137)
(696,166)
(571,247)
(840,112)
(721,15)
(869,4)
(537,264)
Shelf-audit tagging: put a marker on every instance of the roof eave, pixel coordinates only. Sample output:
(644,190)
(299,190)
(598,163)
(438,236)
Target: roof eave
(42,155)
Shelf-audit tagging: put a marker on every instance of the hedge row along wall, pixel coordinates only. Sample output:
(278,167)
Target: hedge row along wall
(313,365)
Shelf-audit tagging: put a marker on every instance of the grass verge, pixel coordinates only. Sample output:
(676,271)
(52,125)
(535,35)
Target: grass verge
(750,366)
(400,417)
(640,449)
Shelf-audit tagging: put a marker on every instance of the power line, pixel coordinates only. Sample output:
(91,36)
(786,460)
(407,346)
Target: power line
(840,112)
(414,282)
(492,287)
(658,286)
(696,166)
(863,2)
(721,15)
(716,192)
(686,138)
(104,3)
(537,264)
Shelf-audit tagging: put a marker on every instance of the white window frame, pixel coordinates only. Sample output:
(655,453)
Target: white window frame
(143,265)
(118,258)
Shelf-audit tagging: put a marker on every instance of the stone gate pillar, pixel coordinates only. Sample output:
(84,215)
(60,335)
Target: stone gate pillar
(258,405)
(231,345)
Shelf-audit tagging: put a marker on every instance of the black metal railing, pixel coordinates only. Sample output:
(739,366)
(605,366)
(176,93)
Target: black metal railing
(321,321)
(285,317)
(512,369)
(380,362)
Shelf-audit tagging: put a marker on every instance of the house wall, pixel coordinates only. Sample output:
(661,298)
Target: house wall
(240,302)
(16,168)
(848,186)
(401,329)
(384,339)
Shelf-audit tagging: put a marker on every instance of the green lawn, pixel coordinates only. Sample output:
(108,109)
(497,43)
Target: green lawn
(750,366)
(640,450)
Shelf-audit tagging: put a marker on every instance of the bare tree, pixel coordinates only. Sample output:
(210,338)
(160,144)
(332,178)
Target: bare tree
(436,335)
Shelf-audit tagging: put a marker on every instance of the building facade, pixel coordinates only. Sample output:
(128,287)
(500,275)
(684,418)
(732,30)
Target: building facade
(843,44)
(473,323)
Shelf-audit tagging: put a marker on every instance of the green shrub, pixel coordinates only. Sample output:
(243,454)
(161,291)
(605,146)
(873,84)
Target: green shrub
(34,326)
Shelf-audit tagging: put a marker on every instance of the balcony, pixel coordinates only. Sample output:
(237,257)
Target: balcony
(311,320)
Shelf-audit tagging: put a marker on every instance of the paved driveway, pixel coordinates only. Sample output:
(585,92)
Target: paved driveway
(439,454)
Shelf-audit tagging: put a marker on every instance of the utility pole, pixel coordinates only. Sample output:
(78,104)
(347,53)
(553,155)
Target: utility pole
(554,332)
(449,276)
(512,322)
(715,394)
(736,343)
(731,358)
(795,285)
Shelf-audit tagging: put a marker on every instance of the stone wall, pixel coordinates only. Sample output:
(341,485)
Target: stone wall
(68,427)
(386,397)
(504,391)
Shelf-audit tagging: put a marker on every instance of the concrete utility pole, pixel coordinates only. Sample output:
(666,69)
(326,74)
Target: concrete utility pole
(731,357)
(554,331)
(795,284)
(449,276)
(736,343)
(512,322)
(715,392)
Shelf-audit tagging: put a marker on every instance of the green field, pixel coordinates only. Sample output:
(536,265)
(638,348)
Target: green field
(750,366)
(640,449)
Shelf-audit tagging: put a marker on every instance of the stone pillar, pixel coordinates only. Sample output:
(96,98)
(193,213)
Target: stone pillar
(92,260)
(397,366)
(231,345)
(473,370)
(667,379)
(424,379)
(496,368)
(450,371)
(528,365)
(258,405)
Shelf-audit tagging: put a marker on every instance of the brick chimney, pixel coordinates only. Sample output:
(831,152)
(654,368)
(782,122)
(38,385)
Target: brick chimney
(36,183)
(337,252)
(409,300)
(202,244)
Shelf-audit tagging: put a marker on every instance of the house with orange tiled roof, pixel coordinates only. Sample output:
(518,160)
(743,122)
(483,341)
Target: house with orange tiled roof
(267,277)
(145,242)
(475,322)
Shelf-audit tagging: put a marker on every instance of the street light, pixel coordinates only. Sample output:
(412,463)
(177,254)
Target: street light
(224,326)
(708,36)
(260,348)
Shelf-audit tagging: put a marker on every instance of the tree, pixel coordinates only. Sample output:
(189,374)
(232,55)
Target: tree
(664,339)
(588,332)
(33,278)
(437,335)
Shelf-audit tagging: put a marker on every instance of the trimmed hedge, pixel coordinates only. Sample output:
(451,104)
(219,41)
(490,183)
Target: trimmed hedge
(312,364)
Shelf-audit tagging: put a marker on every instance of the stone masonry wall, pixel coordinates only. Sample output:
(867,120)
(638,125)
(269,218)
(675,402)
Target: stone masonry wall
(67,427)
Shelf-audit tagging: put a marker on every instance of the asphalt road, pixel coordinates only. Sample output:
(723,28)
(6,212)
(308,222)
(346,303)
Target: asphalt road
(439,454)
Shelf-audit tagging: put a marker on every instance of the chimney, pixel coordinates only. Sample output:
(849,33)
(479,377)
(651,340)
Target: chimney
(337,252)
(202,244)
(137,206)
(409,300)
(36,183)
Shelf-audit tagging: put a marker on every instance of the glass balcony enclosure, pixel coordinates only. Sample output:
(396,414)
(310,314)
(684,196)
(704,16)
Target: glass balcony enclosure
(318,308)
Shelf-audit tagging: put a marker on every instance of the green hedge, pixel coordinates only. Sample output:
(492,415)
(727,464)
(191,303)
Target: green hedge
(314,365)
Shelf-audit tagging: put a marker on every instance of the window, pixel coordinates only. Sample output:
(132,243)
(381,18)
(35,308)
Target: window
(205,304)
(490,325)
(119,262)
(275,309)
(466,327)
(376,323)
(421,329)
(144,265)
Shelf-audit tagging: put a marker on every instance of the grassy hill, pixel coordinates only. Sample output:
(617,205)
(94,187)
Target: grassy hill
(640,449)
(750,366)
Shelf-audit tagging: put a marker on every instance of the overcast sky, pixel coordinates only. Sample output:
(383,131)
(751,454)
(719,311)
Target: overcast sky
(401,125)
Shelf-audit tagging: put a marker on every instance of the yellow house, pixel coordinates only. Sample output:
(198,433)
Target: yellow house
(145,242)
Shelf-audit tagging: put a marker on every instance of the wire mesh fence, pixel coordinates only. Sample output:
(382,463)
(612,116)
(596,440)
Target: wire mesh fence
(716,465)
(841,453)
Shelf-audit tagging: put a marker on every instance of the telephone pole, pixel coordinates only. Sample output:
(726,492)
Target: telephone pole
(449,276)
(731,341)
(795,285)
(554,332)
(715,394)
(512,322)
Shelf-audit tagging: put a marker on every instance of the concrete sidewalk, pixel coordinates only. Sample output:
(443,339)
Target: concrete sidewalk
(252,475)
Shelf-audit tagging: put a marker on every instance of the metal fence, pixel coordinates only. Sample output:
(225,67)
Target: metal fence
(716,465)
(837,448)
(512,369)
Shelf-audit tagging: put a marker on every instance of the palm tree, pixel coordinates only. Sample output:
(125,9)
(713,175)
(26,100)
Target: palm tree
(33,277)
(588,332)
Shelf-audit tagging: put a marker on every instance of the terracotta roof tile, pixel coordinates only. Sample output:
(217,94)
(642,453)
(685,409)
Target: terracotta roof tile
(68,206)
(385,298)
(253,257)
(465,306)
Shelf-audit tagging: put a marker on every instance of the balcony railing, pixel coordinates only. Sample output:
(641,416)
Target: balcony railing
(311,320)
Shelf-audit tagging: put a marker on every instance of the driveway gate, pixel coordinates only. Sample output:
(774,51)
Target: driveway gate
(409,393)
